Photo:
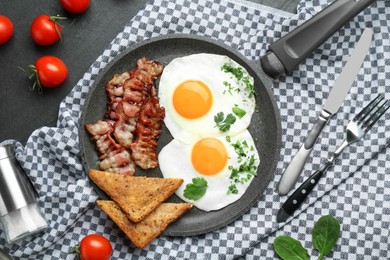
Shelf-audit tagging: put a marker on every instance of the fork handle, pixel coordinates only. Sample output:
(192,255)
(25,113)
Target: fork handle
(290,176)
(301,193)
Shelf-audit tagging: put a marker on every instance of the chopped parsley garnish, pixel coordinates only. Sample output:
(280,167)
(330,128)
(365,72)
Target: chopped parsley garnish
(239,148)
(238,111)
(239,74)
(241,174)
(196,189)
(230,88)
(247,166)
(232,189)
(223,123)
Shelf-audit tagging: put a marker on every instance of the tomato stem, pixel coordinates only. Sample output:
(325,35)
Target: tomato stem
(56,24)
(32,74)
(75,250)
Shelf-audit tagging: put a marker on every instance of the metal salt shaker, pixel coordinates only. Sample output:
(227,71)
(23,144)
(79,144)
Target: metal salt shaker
(20,215)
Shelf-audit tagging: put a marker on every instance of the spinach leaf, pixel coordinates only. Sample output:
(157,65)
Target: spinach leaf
(289,248)
(325,234)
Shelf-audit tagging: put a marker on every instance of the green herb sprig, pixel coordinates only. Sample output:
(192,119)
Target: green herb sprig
(325,234)
(223,123)
(196,189)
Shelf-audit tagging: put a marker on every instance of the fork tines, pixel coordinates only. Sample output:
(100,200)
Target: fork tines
(372,112)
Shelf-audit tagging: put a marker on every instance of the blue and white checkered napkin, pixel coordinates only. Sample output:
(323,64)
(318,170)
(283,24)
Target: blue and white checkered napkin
(356,190)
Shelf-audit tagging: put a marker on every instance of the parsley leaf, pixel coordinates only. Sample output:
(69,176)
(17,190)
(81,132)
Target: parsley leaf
(196,189)
(241,76)
(238,111)
(223,123)
(237,72)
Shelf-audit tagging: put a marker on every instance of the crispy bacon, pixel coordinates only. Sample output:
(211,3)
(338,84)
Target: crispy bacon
(113,157)
(125,126)
(114,90)
(136,89)
(140,85)
(132,108)
(118,162)
(149,127)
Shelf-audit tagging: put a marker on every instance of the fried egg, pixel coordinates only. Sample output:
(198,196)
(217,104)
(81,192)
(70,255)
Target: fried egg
(206,95)
(222,167)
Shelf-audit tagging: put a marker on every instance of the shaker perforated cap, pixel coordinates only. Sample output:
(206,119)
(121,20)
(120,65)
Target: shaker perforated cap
(16,190)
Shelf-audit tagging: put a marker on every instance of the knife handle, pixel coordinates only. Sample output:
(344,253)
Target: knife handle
(299,196)
(289,51)
(290,176)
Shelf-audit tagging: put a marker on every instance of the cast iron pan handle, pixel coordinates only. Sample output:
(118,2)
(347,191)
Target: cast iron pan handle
(289,51)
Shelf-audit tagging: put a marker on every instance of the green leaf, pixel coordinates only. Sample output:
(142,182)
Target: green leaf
(237,72)
(238,111)
(289,248)
(196,189)
(223,123)
(325,234)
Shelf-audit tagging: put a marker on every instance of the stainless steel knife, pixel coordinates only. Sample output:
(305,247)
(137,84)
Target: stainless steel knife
(332,104)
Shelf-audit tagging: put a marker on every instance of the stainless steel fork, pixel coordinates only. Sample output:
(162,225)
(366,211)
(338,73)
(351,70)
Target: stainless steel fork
(356,130)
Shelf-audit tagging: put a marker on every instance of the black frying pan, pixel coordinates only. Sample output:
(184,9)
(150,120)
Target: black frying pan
(265,126)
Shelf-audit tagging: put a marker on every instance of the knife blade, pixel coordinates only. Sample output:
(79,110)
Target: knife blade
(332,104)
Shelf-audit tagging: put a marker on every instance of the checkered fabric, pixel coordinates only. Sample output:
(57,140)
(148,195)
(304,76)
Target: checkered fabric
(355,190)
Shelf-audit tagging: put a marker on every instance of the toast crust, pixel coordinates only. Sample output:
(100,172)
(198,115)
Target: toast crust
(142,233)
(137,196)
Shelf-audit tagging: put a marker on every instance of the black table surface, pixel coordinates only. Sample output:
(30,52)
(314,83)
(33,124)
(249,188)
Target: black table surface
(84,39)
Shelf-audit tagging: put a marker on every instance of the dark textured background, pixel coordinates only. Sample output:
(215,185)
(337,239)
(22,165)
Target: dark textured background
(21,110)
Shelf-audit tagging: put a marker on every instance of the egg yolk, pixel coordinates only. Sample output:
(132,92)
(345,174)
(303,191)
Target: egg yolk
(192,99)
(209,156)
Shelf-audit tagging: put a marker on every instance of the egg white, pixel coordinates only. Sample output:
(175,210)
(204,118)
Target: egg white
(175,162)
(206,68)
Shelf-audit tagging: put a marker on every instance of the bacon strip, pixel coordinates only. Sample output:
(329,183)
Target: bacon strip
(114,89)
(136,89)
(148,131)
(112,156)
(132,108)
(125,126)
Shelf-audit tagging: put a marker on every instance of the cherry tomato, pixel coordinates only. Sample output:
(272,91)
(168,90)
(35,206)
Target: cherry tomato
(6,29)
(75,6)
(95,247)
(45,30)
(48,72)
(51,71)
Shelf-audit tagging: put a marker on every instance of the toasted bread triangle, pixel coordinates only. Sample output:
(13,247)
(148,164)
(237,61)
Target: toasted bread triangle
(142,233)
(137,196)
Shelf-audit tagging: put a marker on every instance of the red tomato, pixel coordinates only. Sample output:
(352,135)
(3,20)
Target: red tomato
(45,30)
(51,71)
(95,247)
(6,29)
(75,6)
